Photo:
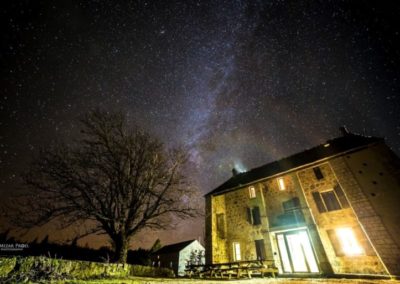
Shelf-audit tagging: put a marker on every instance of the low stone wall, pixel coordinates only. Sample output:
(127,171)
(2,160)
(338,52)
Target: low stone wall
(50,268)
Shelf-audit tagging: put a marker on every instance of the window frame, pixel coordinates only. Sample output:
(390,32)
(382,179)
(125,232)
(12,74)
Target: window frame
(220,224)
(236,248)
(281,183)
(339,195)
(254,215)
(339,243)
(348,242)
(252,192)
(326,196)
(318,173)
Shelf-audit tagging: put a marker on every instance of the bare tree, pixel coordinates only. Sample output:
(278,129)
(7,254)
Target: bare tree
(121,179)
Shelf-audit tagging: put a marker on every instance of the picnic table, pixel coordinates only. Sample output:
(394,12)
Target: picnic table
(228,269)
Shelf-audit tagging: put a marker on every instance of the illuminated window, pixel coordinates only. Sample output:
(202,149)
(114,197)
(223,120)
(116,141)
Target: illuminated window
(252,192)
(296,252)
(236,252)
(281,183)
(348,242)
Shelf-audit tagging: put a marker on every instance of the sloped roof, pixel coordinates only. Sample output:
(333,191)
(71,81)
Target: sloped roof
(174,247)
(331,148)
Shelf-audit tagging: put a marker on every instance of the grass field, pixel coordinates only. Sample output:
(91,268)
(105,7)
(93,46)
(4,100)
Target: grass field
(47,270)
(146,280)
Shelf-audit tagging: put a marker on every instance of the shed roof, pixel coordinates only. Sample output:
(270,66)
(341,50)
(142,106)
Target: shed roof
(174,247)
(333,147)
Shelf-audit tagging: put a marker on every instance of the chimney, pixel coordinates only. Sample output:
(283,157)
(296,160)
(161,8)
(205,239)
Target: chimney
(235,172)
(344,130)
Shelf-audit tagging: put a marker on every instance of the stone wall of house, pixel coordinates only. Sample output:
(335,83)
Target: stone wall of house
(219,243)
(326,221)
(239,229)
(237,226)
(374,192)
(274,198)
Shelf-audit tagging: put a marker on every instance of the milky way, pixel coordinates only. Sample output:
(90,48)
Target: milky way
(239,83)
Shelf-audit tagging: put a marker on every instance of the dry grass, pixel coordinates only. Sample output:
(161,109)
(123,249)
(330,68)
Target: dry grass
(145,280)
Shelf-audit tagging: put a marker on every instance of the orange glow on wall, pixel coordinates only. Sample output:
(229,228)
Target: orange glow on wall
(348,241)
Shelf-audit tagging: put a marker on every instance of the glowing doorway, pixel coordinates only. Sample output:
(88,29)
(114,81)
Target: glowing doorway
(296,252)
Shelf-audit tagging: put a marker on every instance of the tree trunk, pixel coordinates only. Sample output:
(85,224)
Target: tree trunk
(121,243)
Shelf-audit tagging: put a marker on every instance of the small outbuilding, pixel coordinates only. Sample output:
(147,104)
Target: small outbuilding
(177,256)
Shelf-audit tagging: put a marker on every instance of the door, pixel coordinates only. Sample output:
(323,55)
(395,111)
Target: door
(296,252)
(260,249)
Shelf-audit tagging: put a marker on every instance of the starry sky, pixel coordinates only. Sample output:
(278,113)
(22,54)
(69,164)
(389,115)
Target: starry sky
(239,83)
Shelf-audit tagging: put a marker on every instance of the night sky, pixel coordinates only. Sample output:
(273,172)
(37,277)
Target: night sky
(240,83)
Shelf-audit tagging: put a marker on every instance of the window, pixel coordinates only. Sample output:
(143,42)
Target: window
(236,252)
(292,212)
(281,183)
(291,204)
(256,215)
(221,225)
(253,215)
(330,200)
(344,242)
(318,173)
(252,192)
(349,242)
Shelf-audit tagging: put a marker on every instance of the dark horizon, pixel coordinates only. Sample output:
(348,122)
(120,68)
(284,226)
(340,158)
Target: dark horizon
(239,83)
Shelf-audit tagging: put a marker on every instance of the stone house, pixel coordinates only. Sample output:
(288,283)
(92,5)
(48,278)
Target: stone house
(177,256)
(332,209)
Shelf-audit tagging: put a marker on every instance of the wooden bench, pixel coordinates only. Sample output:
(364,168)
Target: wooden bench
(264,269)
